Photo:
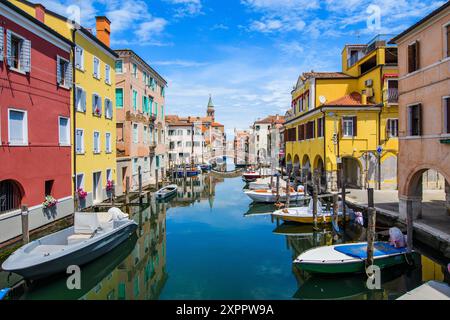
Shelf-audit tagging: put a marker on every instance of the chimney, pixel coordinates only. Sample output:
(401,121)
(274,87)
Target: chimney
(39,12)
(364,97)
(103,26)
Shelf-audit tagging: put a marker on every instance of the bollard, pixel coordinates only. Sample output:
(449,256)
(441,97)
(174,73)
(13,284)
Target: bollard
(372,216)
(409,225)
(25,225)
(335,216)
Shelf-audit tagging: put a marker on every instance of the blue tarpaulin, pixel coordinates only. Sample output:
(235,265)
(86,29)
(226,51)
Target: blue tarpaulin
(3,293)
(360,250)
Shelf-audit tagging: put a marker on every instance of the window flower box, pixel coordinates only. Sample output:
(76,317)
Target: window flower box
(49,202)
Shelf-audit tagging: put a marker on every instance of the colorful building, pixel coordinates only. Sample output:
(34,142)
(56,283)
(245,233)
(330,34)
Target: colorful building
(424,128)
(94,118)
(35,121)
(140,104)
(345,124)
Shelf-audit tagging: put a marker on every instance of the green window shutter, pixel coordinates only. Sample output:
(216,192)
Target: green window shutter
(156,109)
(119,98)
(151,106)
(143,104)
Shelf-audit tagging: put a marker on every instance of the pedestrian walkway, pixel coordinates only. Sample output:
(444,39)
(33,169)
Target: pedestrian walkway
(435,220)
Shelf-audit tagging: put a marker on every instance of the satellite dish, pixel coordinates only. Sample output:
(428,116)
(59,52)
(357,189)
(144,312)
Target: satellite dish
(322,99)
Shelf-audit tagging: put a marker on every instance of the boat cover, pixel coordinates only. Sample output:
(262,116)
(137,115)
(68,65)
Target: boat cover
(4,292)
(360,250)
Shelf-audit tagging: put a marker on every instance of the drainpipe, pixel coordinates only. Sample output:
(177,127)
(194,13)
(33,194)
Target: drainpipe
(379,143)
(74,121)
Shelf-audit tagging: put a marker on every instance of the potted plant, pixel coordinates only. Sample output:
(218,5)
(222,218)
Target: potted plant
(81,194)
(97,112)
(49,202)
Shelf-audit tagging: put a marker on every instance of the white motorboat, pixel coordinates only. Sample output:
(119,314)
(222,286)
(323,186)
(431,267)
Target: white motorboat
(167,191)
(93,235)
(270,195)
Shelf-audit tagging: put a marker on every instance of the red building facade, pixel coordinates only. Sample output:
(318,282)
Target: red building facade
(35,122)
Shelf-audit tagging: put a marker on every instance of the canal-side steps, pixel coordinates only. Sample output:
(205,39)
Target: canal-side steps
(424,233)
(432,290)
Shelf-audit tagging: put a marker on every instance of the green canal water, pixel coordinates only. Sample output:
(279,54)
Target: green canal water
(211,242)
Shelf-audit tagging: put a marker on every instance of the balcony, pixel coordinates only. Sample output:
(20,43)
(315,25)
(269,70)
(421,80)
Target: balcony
(380,41)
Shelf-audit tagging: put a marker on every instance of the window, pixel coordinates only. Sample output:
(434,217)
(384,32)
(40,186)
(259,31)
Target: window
(349,126)
(10,196)
(135,72)
(320,127)
(119,66)
(414,120)
(64,131)
(64,72)
(135,98)
(96,105)
(119,98)
(80,99)
(18,52)
(48,187)
(156,109)
(79,58)
(119,132)
(144,77)
(306,103)
(447,39)
(145,134)
(135,133)
(392,128)
(17,127)
(310,130)
(301,132)
(413,57)
(447,115)
(108,109)
(150,106)
(392,91)
(79,142)
(108,142)
(107,74)
(96,142)
(163,91)
(1,44)
(144,104)
(80,181)
(96,68)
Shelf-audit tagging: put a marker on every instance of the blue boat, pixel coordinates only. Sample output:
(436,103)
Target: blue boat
(3,293)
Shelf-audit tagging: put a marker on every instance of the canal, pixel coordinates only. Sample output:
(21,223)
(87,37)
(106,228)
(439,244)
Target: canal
(211,242)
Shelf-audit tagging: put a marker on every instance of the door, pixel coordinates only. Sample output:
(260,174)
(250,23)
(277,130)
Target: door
(97,191)
(124,178)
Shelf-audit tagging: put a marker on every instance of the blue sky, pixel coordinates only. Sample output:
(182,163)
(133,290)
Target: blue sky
(246,53)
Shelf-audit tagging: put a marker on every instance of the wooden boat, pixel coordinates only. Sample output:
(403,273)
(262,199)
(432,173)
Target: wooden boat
(349,258)
(205,167)
(191,172)
(270,196)
(93,235)
(305,214)
(167,191)
(250,176)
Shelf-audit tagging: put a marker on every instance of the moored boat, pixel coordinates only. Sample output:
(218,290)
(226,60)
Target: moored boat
(250,176)
(270,196)
(166,192)
(93,235)
(349,258)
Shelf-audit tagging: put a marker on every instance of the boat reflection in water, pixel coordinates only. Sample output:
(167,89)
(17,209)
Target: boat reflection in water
(133,271)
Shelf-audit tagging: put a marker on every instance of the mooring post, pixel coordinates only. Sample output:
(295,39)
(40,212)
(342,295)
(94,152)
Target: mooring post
(370,201)
(372,218)
(25,225)
(314,199)
(335,208)
(157,179)
(127,190)
(409,225)
(278,187)
(288,189)
(140,181)
(344,211)
(113,192)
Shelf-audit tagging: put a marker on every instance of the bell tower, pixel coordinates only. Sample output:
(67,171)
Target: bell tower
(210,111)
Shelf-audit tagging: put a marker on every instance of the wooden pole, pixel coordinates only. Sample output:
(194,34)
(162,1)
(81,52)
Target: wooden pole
(288,190)
(335,216)
(278,187)
(25,225)
(157,178)
(127,190)
(113,192)
(370,199)
(344,211)
(140,181)
(409,224)
(315,205)
(372,218)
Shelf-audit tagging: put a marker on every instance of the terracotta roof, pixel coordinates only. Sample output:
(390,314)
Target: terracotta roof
(353,99)
(216,124)
(272,120)
(326,75)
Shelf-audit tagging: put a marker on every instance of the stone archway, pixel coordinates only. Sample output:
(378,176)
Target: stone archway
(430,199)
(296,166)
(319,167)
(306,167)
(353,172)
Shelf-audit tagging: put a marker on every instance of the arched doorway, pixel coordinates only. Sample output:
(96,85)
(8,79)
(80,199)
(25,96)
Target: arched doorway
(11,194)
(429,191)
(319,168)
(296,166)
(352,172)
(306,168)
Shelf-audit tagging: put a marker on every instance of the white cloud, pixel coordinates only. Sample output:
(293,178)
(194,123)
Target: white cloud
(186,7)
(148,29)
(180,63)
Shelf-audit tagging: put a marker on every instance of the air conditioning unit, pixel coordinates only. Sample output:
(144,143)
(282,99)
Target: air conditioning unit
(369,83)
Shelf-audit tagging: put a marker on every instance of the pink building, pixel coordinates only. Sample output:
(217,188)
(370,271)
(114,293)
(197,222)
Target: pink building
(424,116)
(140,104)
(35,122)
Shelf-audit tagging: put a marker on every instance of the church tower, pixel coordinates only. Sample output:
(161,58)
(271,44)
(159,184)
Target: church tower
(210,111)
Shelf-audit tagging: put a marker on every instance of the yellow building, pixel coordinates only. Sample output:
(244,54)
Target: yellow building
(345,124)
(94,124)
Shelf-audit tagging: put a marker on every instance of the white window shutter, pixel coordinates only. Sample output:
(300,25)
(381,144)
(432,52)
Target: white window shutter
(83,100)
(9,58)
(26,56)
(69,73)
(58,70)
(1,44)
